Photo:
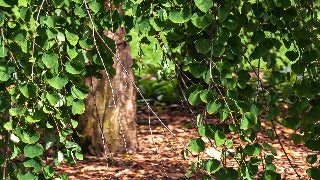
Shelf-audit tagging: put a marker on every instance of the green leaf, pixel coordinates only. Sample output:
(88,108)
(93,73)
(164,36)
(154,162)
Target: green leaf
(27,175)
(50,21)
(256,109)
(246,7)
(270,148)
(257,9)
(270,174)
(2,17)
(224,113)
(35,117)
(194,98)
(16,151)
(213,107)
(249,120)
(156,23)
(79,155)
(219,138)
(8,126)
(20,37)
(4,104)
(204,5)
(74,67)
(236,45)
(301,104)
(217,50)
(32,151)
(77,1)
(292,122)
(310,56)
(72,52)
(78,107)
(258,37)
(3,51)
(197,69)
(16,111)
(27,135)
(63,176)
(226,174)
(231,22)
(50,60)
(86,43)
(36,164)
(181,16)
(188,174)
(203,46)
(207,96)
(223,13)
(314,173)
(229,143)
(49,141)
(73,38)
(212,166)
(196,145)
(311,159)
(296,138)
(29,89)
(94,6)
(48,171)
(201,21)
(58,3)
(270,134)
(298,67)
(206,131)
(79,11)
(74,123)
(58,82)
(253,149)
(53,98)
(5,72)
(223,36)
(80,91)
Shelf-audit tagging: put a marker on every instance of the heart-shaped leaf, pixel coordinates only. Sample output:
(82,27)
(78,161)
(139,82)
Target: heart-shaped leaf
(180,16)
(32,151)
(204,5)
(58,82)
(196,145)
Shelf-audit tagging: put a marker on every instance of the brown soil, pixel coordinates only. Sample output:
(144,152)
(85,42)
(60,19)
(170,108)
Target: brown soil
(168,163)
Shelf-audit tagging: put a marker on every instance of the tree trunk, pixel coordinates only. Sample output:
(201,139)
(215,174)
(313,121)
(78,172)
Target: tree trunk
(118,122)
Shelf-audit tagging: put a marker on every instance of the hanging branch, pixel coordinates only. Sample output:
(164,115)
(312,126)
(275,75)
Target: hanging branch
(156,146)
(34,38)
(272,120)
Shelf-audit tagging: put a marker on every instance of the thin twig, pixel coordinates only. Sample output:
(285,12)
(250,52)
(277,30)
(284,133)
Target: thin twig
(156,146)
(284,151)
(34,38)
(7,155)
(272,120)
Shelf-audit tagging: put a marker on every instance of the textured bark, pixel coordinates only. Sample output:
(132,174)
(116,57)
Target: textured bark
(110,115)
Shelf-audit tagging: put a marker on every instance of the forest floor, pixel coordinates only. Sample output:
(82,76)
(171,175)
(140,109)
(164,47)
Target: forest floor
(167,162)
